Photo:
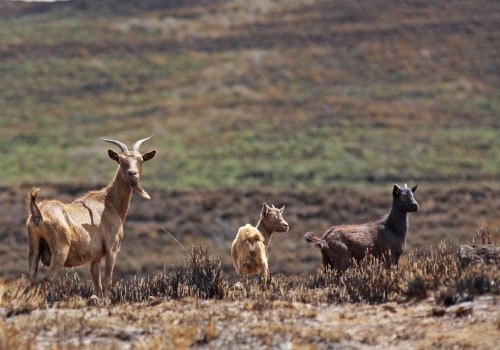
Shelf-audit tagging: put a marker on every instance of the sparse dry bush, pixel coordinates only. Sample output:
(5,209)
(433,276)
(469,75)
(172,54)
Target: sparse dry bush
(471,281)
(201,277)
(68,288)
(461,282)
(435,272)
(421,276)
(368,281)
(17,299)
(486,234)
(426,271)
(371,282)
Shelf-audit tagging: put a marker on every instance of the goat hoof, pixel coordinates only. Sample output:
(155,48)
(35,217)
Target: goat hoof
(93,301)
(238,286)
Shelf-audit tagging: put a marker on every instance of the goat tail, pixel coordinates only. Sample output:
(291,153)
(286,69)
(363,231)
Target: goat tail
(314,240)
(36,215)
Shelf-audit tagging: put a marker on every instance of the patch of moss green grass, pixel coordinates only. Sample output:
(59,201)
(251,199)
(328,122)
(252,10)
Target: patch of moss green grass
(278,117)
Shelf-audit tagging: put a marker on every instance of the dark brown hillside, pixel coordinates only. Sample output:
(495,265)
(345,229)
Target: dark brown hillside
(211,219)
(395,41)
(421,62)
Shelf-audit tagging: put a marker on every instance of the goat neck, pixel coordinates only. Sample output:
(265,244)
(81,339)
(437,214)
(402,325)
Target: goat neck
(267,233)
(118,194)
(397,220)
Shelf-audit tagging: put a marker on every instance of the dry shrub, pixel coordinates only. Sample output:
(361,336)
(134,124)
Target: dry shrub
(468,280)
(369,282)
(201,276)
(473,280)
(16,298)
(426,271)
(440,273)
(421,276)
(69,289)
(486,234)
(435,272)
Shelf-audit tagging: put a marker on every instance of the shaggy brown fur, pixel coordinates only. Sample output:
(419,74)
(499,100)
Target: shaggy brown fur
(249,252)
(89,228)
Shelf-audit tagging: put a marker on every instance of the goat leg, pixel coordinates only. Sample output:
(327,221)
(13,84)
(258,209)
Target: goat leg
(57,261)
(33,258)
(108,271)
(96,277)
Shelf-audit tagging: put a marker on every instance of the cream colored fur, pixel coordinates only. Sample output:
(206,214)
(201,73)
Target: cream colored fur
(249,248)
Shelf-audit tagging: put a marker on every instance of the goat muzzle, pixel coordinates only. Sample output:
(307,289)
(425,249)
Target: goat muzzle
(414,207)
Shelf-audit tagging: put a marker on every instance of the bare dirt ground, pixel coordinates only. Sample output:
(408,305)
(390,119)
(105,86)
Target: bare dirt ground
(211,324)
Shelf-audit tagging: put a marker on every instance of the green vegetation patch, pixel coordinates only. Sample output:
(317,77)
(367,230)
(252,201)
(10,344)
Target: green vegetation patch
(308,156)
(228,110)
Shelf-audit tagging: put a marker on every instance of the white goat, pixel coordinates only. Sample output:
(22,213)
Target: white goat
(89,228)
(249,248)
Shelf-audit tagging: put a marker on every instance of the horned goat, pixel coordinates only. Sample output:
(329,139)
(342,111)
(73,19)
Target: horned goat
(89,228)
(384,238)
(249,248)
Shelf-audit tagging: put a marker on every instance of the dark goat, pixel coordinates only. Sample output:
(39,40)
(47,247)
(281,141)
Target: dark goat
(384,238)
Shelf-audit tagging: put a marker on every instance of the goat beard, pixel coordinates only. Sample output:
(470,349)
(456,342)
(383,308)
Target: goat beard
(137,188)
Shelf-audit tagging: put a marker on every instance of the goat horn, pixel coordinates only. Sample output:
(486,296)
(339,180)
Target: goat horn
(122,146)
(136,145)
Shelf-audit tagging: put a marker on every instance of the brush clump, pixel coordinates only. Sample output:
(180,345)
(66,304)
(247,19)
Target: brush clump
(437,272)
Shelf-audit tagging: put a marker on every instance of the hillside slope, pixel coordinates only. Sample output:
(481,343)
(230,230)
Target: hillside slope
(318,105)
(276,94)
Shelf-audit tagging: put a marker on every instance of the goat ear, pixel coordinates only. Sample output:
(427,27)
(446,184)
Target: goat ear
(414,189)
(396,191)
(148,155)
(282,209)
(265,209)
(113,155)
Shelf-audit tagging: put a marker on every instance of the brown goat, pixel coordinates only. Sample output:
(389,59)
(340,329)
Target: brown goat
(89,228)
(384,238)
(249,248)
